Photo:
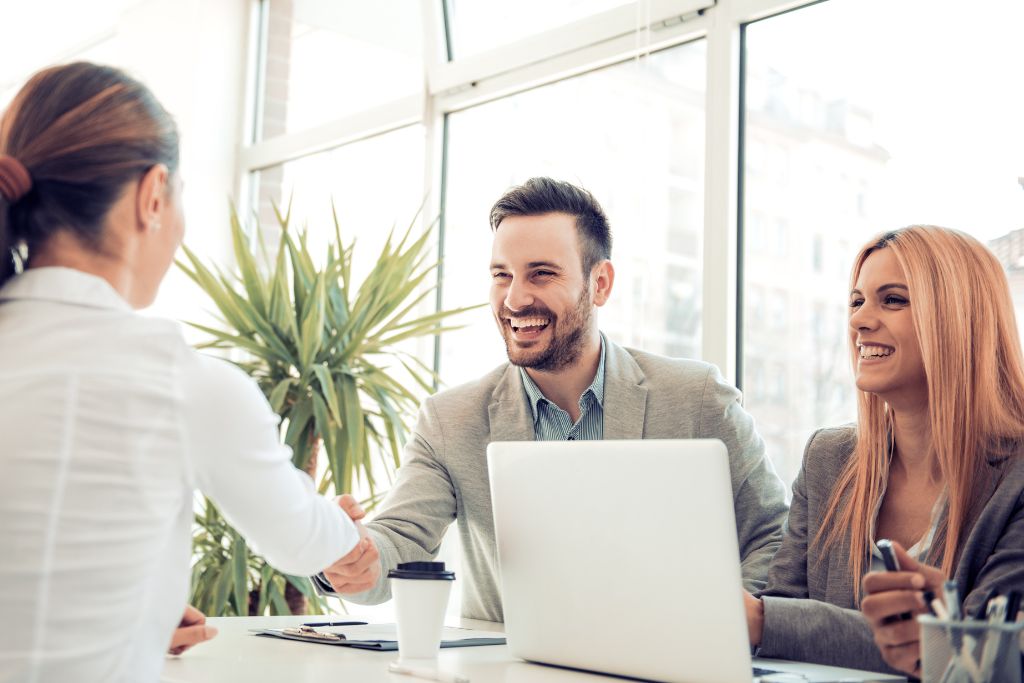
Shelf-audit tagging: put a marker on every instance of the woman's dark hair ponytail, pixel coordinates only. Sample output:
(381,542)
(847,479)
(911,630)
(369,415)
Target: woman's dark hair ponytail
(8,265)
(82,131)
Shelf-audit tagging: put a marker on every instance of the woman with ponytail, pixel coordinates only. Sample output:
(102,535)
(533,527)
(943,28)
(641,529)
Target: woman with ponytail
(935,462)
(109,421)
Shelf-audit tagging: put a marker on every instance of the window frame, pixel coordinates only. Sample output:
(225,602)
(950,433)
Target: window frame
(616,35)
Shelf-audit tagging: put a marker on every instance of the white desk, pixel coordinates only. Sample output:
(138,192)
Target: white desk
(237,655)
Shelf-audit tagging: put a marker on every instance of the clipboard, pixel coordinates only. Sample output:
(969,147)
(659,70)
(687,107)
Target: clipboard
(378,637)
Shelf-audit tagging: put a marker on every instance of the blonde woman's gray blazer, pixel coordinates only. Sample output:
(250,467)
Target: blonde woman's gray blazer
(809,609)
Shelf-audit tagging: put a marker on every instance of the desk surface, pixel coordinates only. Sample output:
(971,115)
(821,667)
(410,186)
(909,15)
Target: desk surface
(237,655)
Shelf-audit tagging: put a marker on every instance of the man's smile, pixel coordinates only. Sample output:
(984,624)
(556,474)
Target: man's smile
(527,328)
(532,324)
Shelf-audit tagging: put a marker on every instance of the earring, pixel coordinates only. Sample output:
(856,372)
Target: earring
(154,225)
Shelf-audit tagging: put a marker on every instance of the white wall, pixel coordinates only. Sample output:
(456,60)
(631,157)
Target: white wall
(192,54)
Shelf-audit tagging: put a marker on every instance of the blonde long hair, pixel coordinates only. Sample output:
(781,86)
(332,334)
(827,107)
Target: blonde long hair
(964,319)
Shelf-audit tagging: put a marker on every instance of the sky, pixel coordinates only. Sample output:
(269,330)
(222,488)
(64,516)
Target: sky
(943,80)
(36,33)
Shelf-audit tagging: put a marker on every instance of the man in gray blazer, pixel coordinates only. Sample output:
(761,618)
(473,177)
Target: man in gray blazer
(550,269)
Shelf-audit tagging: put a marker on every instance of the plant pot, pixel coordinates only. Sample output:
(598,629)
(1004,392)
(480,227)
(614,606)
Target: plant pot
(295,599)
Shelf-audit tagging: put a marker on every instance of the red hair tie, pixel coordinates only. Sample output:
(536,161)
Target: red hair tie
(15,181)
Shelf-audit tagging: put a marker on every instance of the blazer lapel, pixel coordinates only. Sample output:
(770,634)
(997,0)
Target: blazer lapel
(625,397)
(509,412)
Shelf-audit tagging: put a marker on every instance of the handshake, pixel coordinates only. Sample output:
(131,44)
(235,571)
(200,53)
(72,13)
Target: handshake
(356,572)
(359,570)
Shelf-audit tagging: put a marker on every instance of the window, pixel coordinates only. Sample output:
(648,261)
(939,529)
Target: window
(375,184)
(859,115)
(922,126)
(480,25)
(900,117)
(633,135)
(327,60)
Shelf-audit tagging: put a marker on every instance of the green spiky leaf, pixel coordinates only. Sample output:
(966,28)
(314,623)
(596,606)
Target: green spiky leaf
(321,346)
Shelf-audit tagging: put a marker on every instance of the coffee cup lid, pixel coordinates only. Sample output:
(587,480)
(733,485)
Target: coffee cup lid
(422,570)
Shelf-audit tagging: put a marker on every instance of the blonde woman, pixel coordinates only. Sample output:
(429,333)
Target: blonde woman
(934,462)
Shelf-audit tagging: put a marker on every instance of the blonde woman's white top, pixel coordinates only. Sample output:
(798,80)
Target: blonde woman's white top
(109,422)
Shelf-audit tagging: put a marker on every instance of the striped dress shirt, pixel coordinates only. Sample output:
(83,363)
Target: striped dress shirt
(551,423)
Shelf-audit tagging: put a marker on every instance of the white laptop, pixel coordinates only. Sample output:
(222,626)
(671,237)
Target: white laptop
(621,557)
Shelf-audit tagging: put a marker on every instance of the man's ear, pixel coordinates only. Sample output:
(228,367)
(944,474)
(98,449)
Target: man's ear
(602,277)
(151,197)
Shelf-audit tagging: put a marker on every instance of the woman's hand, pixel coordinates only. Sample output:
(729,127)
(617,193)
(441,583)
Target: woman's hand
(191,631)
(890,594)
(755,618)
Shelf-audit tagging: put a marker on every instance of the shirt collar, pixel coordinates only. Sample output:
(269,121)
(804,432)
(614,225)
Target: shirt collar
(596,388)
(63,285)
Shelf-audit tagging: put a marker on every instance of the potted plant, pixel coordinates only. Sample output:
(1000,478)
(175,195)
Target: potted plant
(324,351)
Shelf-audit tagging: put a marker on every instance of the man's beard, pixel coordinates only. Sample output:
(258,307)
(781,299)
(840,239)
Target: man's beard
(568,335)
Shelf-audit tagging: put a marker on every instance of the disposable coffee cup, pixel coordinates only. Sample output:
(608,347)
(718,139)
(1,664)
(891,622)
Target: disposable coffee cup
(421,592)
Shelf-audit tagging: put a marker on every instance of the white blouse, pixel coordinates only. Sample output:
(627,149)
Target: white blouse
(108,424)
(920,550)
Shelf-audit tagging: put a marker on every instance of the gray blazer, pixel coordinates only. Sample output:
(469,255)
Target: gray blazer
(444,473)
(827,628)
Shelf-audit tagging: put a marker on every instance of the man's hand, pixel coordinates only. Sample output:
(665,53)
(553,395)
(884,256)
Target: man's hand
(755,618)
(351,506)
(360,569)
(191,631)
(890,594)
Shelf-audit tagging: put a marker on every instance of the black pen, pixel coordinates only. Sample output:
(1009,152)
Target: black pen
(892,564)
(335,623)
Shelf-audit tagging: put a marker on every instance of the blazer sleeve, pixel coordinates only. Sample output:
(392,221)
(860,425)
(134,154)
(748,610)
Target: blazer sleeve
(418,510)
(815,631)
(801,629)
(1003,568)
(758,493)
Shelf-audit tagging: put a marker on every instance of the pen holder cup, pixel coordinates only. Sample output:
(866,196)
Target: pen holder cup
(969,651)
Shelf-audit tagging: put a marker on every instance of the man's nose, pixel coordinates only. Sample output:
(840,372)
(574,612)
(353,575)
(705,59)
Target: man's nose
(518,295)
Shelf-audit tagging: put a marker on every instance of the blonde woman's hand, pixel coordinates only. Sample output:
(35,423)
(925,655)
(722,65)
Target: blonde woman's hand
(892,594)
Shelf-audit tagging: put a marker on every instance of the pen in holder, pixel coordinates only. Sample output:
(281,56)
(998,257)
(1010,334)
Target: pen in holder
(969,651)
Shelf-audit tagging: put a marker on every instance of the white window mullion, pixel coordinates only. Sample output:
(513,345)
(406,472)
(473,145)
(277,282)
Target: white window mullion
(365,124)
(719,322)
(571,64)
(435,52)
(615,23)
(746,11)
(721,191)
(252,107)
